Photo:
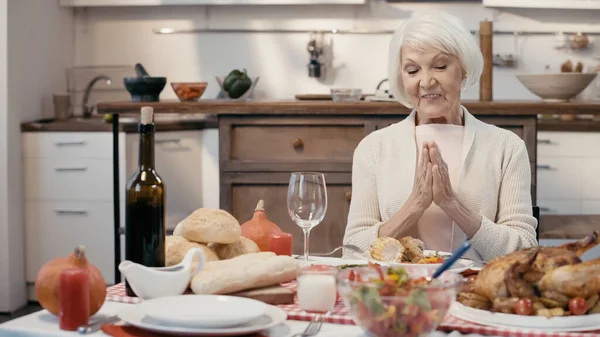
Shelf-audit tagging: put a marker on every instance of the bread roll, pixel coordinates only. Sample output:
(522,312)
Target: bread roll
(176,247)
(207,225)
(244,272)
(230,250)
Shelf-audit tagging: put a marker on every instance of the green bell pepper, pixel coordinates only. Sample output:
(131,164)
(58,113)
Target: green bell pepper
(237,83)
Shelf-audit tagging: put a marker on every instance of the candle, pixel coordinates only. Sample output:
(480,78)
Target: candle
(280,243)
(74,299)
(317,291)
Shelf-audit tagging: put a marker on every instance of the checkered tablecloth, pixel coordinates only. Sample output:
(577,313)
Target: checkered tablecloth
(340,315)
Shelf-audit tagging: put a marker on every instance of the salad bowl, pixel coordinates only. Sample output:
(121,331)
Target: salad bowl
(397,301)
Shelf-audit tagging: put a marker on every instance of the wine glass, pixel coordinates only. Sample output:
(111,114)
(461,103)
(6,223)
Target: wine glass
(307,202)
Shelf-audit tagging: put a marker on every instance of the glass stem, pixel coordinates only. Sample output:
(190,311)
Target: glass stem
(306,242)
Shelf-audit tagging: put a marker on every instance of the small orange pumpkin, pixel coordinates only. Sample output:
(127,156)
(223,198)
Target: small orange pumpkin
(48,281)
(259,227)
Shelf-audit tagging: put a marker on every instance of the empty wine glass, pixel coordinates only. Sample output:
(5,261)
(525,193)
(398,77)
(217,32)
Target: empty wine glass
(307,202)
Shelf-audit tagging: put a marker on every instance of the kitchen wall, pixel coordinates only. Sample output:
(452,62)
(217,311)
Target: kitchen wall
(125,36)
(35,48)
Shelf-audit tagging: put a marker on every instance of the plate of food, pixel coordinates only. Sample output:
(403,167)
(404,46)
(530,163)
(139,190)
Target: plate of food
(547,288)
(411,252)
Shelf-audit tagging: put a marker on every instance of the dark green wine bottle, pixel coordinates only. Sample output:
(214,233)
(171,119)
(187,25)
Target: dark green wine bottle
(145,205)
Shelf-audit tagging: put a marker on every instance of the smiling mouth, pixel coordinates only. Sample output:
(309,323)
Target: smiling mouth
(431,96)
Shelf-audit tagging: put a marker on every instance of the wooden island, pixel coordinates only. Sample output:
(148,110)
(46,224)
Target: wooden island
(262,142)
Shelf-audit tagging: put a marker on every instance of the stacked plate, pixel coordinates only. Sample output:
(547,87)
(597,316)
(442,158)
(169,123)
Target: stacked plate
(199,315)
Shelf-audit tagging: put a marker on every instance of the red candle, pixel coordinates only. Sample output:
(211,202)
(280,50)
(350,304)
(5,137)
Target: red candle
(74,297)
(280,243)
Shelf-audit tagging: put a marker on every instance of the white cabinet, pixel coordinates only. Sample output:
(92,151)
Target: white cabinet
(115,3)
(68,198)
(68,189)
(567,173)
(178,160)
(559,4)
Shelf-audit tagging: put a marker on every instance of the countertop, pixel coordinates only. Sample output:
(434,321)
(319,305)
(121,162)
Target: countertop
(217,107)
(127,124)
(175,115)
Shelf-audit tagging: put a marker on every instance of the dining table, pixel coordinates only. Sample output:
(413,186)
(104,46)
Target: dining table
(45,324)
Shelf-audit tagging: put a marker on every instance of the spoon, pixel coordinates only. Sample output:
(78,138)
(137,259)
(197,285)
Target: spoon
(457,254)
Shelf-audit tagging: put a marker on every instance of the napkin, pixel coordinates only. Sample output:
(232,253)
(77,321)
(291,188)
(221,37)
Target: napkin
(131,331)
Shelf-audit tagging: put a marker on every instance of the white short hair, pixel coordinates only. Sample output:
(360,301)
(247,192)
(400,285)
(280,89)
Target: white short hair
(437,30)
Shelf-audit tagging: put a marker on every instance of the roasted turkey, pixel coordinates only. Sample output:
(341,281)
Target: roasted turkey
(547,275)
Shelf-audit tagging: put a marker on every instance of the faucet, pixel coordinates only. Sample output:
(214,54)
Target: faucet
(87,110)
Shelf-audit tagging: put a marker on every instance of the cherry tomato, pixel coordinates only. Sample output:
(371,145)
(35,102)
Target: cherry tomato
(524,306)
(578,306)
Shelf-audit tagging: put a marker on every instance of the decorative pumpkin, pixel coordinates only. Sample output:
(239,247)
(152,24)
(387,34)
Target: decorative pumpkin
(48,281)
(259,227)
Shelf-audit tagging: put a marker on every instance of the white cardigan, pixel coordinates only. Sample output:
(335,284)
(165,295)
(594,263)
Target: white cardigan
(494,181)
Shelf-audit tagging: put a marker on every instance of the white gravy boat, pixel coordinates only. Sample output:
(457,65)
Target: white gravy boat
(149,282)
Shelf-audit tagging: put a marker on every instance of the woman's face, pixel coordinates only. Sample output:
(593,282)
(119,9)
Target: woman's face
(432,81)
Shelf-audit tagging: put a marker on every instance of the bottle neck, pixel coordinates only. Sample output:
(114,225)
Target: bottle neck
(146,156)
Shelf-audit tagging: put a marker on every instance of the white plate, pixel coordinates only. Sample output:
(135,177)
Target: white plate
(136,317)
(458,267)
(495,319)
(203,311)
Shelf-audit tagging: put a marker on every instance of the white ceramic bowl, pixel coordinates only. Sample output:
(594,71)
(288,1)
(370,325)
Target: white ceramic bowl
(557,87)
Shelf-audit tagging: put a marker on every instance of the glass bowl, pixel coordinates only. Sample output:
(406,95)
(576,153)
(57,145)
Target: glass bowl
(384,311)
(189,91)
(346,95)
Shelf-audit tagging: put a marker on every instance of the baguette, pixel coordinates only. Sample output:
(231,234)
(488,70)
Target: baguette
(244,272)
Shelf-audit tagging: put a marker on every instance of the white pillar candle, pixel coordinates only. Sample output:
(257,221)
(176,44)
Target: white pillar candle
(316,292)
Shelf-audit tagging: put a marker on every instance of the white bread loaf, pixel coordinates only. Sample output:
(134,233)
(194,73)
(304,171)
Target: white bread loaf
(230,250)
(176,247)
(207,225)
(244,272)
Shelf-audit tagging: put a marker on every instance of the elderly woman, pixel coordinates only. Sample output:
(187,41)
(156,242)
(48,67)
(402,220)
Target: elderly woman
(440,175)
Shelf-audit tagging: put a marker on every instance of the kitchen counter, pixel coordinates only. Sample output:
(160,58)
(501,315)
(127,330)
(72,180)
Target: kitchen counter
(127,124)
(217,107)
(261,142)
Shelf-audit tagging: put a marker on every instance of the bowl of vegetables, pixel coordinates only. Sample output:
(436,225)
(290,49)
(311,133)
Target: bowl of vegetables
(237,85)
(397,301)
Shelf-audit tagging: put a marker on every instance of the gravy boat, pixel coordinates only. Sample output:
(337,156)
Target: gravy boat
(153,282)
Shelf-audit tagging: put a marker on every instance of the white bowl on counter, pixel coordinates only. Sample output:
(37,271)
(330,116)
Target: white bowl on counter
(557,87)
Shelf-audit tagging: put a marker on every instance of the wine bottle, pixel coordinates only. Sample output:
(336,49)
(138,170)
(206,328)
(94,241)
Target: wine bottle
(145,230)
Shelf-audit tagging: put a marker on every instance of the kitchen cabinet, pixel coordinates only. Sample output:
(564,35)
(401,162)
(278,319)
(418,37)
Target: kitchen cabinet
(258,152)
(116,3)
(568,166)
(68,190)
(557,4)
(68,197)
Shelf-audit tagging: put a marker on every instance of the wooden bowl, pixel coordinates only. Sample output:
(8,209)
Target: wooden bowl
(557,87)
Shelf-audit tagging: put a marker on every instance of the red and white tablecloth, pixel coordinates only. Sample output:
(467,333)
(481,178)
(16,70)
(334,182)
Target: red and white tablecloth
(340,315)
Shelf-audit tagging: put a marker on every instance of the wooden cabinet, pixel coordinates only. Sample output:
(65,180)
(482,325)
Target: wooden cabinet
(245,190)
(257,154)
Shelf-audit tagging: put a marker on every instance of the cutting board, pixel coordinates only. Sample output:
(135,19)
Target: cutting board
(320,97)
(274,295)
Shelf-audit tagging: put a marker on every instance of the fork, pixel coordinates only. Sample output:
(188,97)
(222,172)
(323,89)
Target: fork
(352,248)
(313,327)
